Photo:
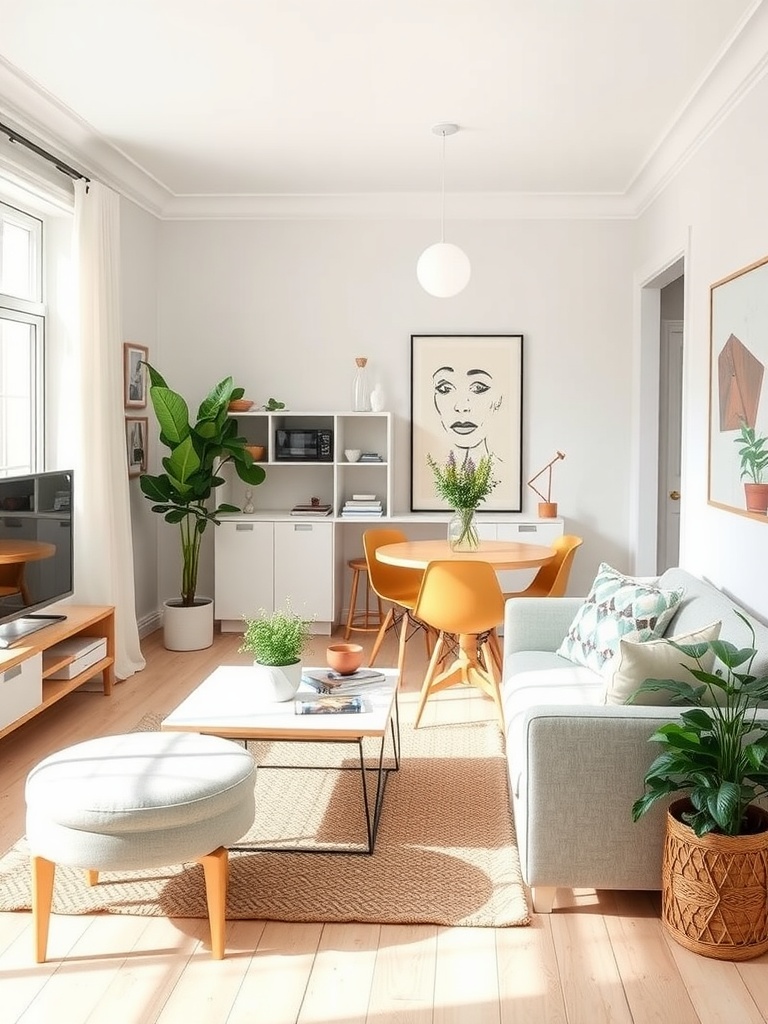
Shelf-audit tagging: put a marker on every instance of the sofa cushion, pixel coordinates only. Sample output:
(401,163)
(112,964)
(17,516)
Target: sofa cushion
(616,606)
(637,661)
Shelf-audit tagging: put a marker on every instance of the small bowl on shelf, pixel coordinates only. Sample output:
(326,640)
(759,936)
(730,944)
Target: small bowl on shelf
(352,454)
(240,405)
(256,451)
(344,658)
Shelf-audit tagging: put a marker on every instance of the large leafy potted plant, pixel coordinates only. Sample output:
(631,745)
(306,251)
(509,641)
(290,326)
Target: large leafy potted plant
(277,641)
(715,865)
(753,455)
(183,492)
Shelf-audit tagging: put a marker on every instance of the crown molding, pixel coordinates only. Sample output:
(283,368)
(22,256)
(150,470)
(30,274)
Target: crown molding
(741,64)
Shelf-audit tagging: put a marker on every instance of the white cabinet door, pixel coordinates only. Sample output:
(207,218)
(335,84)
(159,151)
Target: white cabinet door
(304,568)
(243,572)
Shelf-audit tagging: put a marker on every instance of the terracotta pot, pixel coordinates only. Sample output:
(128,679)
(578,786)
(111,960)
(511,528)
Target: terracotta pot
(756,496)
(257,451)
(547,510)
(344,658)
(714,898)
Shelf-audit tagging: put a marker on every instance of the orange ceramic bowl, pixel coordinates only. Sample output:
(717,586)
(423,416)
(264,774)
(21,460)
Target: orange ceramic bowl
(257,451)
(344,658)
(240,405)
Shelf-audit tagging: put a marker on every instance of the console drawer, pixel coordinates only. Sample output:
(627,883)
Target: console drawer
(21,689)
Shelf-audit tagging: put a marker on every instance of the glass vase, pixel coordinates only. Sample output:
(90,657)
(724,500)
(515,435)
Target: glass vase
(462,530)
(361,388)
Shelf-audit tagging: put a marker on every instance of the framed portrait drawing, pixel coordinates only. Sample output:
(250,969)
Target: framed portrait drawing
(134,375)
(467,398)
(136,444)
(738,406)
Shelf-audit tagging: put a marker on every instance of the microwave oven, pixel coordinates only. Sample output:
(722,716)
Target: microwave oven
(304,445)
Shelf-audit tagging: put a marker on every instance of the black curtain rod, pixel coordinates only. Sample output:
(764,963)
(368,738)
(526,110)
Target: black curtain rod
(14,136)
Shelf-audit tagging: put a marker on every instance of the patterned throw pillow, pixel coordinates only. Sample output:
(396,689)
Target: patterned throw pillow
(616,605)
(655,659)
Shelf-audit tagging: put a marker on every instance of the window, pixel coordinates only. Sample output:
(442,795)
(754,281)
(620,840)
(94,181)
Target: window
(22,337)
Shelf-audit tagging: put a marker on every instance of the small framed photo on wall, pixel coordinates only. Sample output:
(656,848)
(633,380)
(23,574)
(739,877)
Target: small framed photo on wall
(135,375)
(136,444)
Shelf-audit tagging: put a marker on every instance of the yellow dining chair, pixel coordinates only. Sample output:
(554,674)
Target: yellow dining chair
(552,579)
(462,598)
(399,587)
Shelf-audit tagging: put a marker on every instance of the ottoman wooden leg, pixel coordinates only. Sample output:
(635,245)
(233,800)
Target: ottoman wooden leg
(43,872)
(216,870)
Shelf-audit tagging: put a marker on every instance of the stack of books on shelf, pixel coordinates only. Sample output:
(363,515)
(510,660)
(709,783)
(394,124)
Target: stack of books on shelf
(312,510)
(371,457)
(366,506)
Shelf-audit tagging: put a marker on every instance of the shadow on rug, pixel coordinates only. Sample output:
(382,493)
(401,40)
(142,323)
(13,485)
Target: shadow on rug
(445,852)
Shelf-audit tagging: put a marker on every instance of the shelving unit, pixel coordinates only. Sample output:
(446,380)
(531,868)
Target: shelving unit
(26,688)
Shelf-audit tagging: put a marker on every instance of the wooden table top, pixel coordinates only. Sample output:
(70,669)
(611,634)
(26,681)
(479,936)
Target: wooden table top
(12,551)
(501,554)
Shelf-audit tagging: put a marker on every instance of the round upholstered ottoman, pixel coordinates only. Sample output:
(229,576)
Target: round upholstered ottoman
(142,800)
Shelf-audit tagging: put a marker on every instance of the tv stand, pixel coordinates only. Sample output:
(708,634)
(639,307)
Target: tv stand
(17,629)
(26,667)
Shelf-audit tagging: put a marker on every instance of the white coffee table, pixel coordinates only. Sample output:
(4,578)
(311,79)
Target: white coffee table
(227,703)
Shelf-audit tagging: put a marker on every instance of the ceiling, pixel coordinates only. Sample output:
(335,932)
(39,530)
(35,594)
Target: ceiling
(221,103)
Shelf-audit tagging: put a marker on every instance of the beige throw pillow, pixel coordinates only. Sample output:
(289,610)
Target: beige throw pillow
(638,660)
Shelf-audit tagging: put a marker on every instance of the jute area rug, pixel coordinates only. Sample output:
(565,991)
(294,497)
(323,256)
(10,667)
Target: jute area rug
(445,852)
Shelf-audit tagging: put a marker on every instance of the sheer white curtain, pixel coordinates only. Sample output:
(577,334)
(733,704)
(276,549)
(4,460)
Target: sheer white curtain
(103,543)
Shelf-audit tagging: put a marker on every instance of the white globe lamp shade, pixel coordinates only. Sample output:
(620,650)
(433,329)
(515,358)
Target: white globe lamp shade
(443,270)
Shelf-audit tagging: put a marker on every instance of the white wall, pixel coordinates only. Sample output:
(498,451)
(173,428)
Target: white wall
(138,245)
(721,196)
(286,306)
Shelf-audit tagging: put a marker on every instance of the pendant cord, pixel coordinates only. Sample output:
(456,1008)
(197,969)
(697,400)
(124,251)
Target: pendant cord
(442,186)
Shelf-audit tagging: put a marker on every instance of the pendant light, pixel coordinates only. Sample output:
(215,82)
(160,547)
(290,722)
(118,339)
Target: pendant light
(443,269)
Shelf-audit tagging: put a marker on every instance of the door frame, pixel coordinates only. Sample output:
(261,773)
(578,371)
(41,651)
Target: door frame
(644,456)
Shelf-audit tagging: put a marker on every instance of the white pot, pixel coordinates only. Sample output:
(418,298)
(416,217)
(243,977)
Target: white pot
(188,629)
(278,683)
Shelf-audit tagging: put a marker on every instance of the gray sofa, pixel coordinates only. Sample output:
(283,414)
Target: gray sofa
(576,764)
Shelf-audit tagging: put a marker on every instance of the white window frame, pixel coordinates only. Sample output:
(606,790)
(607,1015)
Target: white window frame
(30,312)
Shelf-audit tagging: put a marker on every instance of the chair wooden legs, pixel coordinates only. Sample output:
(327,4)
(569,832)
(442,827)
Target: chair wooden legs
(216,869)
(465,669)
(43,872)
(387,624)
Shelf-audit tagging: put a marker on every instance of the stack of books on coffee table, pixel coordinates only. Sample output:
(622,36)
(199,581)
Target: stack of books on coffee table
(366,506)
(328,681)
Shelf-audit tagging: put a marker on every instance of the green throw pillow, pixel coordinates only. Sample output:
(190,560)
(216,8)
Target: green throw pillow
(615,606)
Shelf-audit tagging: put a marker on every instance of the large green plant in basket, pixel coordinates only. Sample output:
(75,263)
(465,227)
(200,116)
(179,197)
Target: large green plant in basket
(198,452)
(718,752)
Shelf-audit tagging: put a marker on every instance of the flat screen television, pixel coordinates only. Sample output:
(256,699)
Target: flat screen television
(36,551)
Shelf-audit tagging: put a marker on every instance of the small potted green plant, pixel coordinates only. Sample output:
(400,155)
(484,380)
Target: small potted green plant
(277,641)
(753,463)
(717,836)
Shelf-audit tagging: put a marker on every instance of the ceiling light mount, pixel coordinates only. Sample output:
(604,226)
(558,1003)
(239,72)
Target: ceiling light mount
(443,269)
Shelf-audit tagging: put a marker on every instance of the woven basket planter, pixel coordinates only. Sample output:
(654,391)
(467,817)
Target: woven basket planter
(714,898)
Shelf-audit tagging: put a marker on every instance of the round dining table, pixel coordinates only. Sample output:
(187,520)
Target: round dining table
(501,554)
(467,667)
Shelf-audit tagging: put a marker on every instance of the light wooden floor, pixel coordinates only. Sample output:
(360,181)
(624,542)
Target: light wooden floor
(600,957)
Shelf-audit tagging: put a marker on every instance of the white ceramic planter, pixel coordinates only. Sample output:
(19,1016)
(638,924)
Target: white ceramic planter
(276,684)
(188,629)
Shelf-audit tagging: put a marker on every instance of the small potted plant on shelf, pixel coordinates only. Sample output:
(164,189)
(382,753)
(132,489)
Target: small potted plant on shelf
(277,641)
(716,846)
(753,464)
(182,493)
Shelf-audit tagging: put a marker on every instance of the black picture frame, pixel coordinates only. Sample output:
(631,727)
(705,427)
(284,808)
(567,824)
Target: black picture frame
(483,373)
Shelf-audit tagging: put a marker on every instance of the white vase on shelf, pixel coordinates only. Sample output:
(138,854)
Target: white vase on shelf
(378,398)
